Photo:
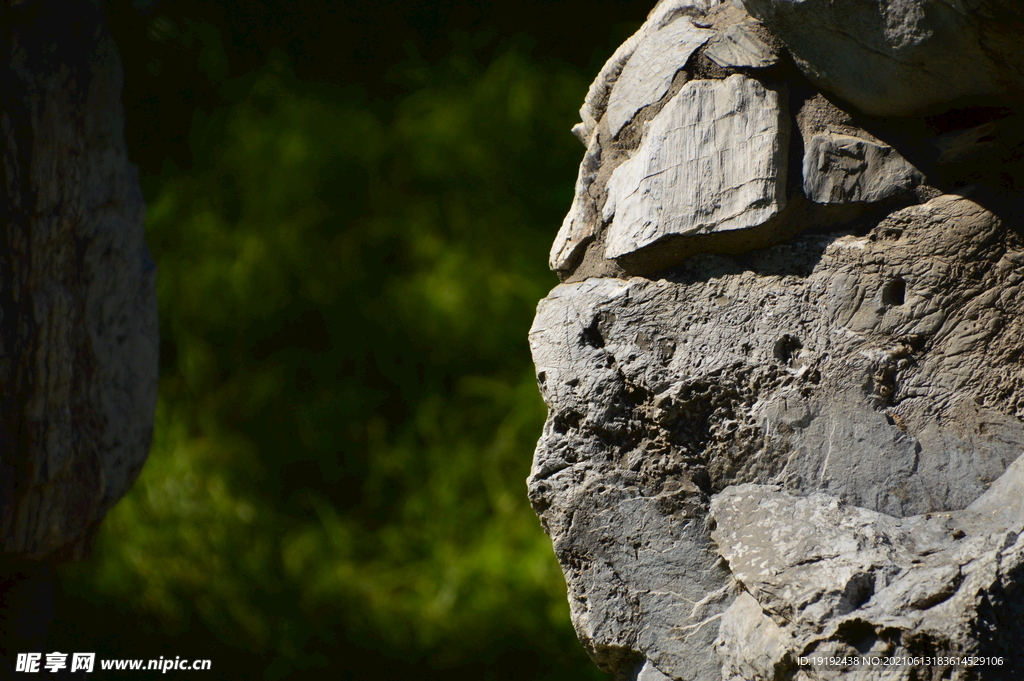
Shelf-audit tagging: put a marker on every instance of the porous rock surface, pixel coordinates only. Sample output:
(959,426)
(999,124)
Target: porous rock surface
(785,375)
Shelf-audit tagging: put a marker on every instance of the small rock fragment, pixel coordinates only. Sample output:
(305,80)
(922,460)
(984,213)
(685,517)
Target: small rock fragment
(738,47)
(845,169)
(580,223)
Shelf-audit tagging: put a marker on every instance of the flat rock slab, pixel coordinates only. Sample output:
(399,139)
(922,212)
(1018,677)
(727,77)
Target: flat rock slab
(714,159)
(647,75)
(846,169)
(737,47)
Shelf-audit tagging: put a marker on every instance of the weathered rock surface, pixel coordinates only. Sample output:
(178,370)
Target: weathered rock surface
(799,433)
(821,578)
(739,47)
(77,290)
(712,161)
(883,369)
(845,169)
(903,57)
(647,75)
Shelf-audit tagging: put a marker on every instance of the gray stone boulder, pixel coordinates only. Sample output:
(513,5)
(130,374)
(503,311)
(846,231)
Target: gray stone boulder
(903,57)
(784,368)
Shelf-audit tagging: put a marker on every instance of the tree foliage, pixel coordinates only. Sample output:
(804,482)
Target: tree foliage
(347,407)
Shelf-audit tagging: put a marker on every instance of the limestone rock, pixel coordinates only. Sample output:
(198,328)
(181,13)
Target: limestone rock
(646,77)
(580,223)
(650,673)
(800,432)
(713,160)
(903,57)
(845,169)
(845,581)
(649,38)
(77,285)
(739,47)
(880,369)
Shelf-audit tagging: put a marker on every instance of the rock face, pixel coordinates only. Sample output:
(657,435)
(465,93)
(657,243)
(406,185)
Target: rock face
(800,443)
(710,162)
(903,57)
(77,296)
(845,169)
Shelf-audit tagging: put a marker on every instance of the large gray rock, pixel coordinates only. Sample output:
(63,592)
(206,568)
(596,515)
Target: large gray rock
(880,369)
(903,57)
(713,160)
(798,435)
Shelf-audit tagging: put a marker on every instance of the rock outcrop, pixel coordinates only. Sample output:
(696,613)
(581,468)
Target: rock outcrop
(785,367)
(78,324)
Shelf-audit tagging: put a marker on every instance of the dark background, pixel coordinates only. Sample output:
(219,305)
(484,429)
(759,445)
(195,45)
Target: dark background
(350,205)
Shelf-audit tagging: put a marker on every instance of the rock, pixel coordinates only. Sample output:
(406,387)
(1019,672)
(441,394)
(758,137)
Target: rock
(580,224)
(746,628)
(713,160)
(647,75)
(879,369)
(799,432)
(666,12)
(845,581)
(77,289)
(903,57)
(845,169)
(650,673)
(740,48)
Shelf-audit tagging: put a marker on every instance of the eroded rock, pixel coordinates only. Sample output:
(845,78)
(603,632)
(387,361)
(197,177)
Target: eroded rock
(858,366)
(845,169)
(799,432)
(903,57)
(738,47)
(711,161)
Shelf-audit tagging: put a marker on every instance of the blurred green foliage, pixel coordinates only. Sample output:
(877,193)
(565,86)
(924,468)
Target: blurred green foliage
(347,407)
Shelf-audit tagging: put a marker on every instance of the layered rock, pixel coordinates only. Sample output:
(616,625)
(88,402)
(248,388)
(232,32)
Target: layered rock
(784,373)
(712,160)
(903,57)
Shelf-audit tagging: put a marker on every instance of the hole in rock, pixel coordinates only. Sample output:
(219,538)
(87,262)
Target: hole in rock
(592,335)
(895,292)
(786,348)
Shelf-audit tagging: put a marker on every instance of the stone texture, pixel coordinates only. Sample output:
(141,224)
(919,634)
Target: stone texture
(712,160)
(77,291)
(880,369)
(739,47)
(650,673)
(846,581)
(647,75)
(903,57)
(845,169)
(664,13)
(580,223)
(799,433)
